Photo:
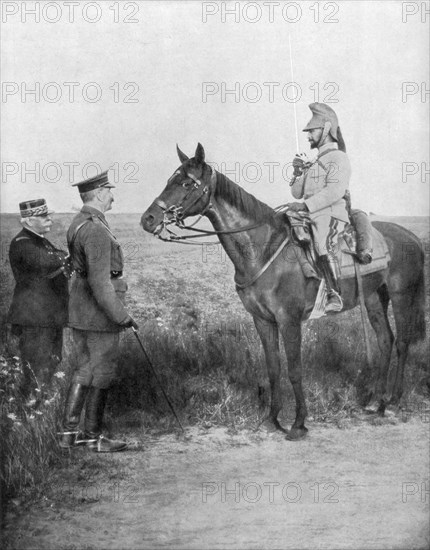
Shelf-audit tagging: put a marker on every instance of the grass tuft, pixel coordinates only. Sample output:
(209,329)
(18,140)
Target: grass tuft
(207,356)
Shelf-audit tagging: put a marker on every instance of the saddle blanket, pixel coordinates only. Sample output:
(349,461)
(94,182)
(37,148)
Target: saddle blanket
(381,258)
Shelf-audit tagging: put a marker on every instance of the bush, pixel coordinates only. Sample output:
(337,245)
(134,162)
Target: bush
(28,428)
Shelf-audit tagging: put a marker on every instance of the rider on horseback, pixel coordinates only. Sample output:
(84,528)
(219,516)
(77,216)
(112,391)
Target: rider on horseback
(322,184)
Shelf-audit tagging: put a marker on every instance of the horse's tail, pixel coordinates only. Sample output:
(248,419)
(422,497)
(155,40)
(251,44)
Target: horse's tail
(407,257)
(417,319)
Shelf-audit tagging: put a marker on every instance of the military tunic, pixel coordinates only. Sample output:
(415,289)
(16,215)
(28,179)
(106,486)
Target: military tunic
(41,293)
(96,310)
(323,187)
(38,311)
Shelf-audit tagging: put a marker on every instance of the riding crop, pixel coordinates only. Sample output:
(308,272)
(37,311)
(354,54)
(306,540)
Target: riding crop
(156,377)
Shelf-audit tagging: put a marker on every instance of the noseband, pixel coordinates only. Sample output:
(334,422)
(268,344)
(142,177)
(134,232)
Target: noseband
(176,212)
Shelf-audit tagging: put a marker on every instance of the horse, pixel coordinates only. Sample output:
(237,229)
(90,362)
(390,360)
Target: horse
(277,294)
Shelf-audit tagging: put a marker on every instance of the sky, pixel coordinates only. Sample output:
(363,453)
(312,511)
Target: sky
(117,84)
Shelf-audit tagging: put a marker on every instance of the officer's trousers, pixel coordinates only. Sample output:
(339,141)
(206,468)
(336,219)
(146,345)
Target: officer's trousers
(41,352)
(95,357)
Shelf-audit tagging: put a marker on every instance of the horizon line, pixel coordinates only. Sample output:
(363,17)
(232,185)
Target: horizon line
(139,212)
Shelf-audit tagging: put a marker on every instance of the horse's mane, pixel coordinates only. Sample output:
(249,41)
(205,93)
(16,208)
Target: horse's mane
(239,198)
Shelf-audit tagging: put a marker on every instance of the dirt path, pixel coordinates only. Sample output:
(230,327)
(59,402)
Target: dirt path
(362,487)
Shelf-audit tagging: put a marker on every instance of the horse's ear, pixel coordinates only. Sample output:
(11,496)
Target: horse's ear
(182,156)
(199,155)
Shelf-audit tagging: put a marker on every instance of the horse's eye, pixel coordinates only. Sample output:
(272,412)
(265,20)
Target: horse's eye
(186,183)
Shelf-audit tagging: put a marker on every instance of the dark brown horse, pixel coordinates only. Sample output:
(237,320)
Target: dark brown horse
(278,298)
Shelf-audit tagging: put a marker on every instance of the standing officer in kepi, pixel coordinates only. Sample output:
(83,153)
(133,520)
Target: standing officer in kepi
(323,183)
(38,312)
(97,315)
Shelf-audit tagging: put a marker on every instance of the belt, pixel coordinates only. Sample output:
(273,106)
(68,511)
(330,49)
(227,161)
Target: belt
(113,274)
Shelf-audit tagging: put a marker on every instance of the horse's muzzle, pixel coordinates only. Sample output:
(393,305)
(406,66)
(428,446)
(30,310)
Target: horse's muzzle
(150,221)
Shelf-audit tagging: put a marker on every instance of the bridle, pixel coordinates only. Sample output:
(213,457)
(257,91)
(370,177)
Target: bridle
(175,213)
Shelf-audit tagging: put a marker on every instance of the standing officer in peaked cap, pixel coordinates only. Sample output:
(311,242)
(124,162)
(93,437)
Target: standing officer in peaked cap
(323,184)
(38,312)
(96,314)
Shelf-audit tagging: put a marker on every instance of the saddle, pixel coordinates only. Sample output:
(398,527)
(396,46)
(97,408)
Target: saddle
(301,225)
(358,239)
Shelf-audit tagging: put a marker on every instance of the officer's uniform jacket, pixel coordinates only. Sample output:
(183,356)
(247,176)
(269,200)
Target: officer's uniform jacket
(324,183)
(98,291)
(41,293)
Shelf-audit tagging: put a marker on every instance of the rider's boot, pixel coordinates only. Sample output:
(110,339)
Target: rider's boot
(364,256)
(329,269)
(72,413)
(93,424)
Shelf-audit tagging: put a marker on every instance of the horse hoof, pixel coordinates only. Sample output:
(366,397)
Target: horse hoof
(392,411)
(375,407)
(279,427)
(271,426)
(296,433)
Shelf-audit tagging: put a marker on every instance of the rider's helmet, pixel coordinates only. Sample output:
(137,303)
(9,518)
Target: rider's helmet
(324,117)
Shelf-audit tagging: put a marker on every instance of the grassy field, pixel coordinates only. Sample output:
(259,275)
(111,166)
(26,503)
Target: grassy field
(204,346)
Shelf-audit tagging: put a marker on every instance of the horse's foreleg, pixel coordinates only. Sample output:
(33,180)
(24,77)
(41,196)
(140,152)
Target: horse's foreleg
(292,334)
(269,336)
(376,305)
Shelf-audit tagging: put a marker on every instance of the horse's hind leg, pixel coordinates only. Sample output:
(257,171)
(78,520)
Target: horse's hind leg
(377,305)
(402,308)
(269,336)
(407,292)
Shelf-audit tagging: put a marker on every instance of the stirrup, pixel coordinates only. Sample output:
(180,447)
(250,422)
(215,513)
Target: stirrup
(334,303)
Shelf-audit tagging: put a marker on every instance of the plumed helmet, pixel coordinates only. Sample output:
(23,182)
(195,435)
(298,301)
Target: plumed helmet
(321,115)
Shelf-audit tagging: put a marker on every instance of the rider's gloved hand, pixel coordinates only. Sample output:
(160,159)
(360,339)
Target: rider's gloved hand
(129,323)
(299,162)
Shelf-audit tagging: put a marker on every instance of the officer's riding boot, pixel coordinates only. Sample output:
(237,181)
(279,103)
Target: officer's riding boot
(93,424)
(329,267)
(72,413)
(364,256)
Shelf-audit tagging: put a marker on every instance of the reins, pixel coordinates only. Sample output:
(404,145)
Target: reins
(205,233)
(178,214)
(177,219)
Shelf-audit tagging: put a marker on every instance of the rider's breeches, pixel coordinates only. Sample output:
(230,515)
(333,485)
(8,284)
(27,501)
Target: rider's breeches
(96,357)
(326,232)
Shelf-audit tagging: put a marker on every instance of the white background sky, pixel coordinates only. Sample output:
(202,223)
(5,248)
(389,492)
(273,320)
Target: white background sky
(169,53)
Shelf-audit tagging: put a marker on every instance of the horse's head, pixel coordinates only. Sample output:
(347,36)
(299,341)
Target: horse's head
(187,193)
